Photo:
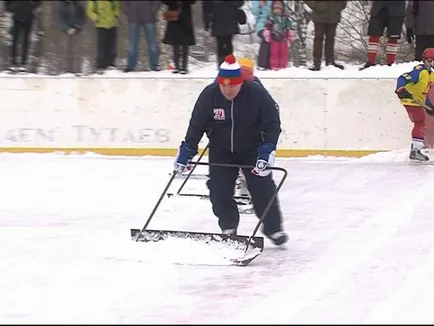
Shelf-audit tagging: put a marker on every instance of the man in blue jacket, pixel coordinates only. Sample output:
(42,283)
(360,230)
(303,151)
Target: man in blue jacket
(245,128)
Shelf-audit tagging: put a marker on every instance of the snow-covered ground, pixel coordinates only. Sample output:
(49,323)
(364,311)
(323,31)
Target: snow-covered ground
(361,246)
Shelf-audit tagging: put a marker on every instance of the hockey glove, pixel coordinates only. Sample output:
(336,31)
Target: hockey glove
(431,105)
(183,158)
(403,93)
(266,154)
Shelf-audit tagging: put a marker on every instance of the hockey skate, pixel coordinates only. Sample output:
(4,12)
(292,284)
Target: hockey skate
(242,195)
(417,155)
(241,187)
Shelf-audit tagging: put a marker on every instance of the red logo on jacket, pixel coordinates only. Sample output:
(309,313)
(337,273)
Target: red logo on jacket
(219,114)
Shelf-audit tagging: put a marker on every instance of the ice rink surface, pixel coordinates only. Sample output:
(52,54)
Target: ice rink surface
(361,245)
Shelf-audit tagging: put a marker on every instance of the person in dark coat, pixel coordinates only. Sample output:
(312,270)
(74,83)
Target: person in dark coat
(71,15)
(244,127)
(419,24)
(326,16)
(223,18)
(179,32)
(389,15)
(23,15)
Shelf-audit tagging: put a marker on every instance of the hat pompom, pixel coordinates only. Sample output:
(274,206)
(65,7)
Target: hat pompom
(230,59)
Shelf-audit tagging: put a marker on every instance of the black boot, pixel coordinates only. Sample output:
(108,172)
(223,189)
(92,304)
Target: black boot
(176,56)
(184,69)
(367,65)
(335,64)
(279,238)
(315,67)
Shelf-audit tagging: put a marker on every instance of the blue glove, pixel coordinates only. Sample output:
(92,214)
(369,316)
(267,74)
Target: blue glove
(184,156)
(266,155)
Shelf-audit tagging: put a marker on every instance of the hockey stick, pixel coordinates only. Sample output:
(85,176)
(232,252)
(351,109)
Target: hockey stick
(192,169)
(267,209)
(419,102)
(156,205)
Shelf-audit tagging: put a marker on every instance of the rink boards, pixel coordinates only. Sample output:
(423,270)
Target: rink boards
(149,116)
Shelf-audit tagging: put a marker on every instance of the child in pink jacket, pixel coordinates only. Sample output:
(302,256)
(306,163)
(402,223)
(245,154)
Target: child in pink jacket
(279,34)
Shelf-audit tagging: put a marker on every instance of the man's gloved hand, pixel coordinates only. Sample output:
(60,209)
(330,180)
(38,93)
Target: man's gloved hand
(266,155)
(403,93)
(184,156)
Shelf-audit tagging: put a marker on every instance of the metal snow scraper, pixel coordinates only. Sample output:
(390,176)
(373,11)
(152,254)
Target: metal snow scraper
(249,246)
(239,200)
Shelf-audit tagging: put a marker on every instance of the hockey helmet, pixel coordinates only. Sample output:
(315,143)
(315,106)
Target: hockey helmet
(428,58)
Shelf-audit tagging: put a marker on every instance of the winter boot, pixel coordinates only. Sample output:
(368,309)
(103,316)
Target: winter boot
(336,65)
(279,238)
(367,65)
(229,231)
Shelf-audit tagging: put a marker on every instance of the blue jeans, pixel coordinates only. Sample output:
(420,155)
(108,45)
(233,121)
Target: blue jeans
(151,38)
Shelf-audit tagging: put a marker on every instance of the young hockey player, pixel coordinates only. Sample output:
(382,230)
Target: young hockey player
(248,72)
(245,125)
(411,89)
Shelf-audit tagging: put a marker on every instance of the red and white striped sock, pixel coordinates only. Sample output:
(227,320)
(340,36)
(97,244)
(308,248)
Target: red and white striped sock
(392,50)
(373,46)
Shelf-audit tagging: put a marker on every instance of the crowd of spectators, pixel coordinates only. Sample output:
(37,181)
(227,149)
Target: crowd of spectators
(222,20)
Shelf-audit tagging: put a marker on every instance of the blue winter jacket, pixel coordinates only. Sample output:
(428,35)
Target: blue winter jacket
(71,14)
(240,125)
(261,14)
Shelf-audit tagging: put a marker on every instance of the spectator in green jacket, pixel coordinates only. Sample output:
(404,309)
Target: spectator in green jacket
(105,14)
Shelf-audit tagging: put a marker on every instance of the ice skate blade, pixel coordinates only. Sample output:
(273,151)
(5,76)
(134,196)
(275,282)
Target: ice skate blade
(418,162)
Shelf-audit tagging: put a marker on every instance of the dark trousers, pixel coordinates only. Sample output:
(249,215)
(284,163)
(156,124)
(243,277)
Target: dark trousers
(22,29)
(423,42)
(224,48)
(327,31)
(180,57)
(106,47)
(264,52)
(71,62)
(222,183)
